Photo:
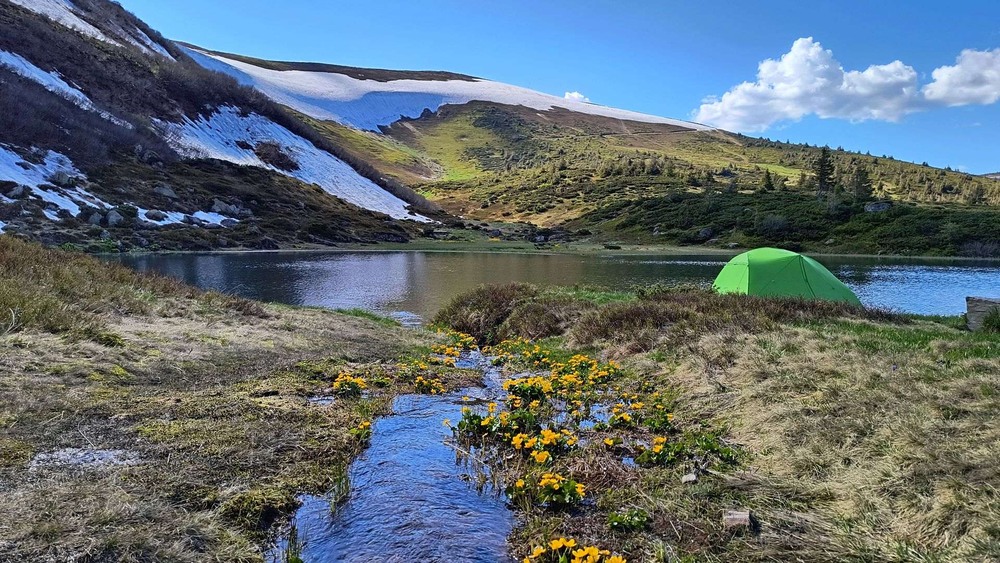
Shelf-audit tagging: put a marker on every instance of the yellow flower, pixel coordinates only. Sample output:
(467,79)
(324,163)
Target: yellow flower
(541,456)
(616,559)
(657,448)
(537,551)
(519,484)
(556,543)
(609,442)
(580,489)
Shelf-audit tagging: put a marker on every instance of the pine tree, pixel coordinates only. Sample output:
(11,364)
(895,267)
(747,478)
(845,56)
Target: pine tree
(767,183)
(861,184)
(823,168)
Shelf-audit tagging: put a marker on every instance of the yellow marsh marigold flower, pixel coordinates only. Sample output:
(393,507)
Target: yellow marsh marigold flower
(609,442)
(539,550)
(616,559)
(519,484)
(541,456)
(659,440)
(580,489)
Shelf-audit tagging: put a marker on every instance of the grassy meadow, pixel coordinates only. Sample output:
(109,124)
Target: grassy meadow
(846,434)
(145,420)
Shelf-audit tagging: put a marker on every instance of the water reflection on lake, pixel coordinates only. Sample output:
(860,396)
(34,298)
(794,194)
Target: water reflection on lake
(414,285)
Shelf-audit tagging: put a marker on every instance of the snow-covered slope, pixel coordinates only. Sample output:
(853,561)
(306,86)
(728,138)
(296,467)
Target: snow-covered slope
(54,83)
(33,176)
(221,135)
(65,13)
(368,104)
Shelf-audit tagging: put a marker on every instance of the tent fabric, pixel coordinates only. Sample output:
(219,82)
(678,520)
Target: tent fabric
(772,272)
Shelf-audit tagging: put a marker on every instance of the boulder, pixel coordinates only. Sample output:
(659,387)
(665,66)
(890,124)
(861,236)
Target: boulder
(227,222)
(219,206)
(977,309)
(17,192)
(738,520)
(115,218)
(61,179)
(95,218)
(165,191)
(156,215)
(878,206)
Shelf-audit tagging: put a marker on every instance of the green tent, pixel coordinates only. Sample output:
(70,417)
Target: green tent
(772,272)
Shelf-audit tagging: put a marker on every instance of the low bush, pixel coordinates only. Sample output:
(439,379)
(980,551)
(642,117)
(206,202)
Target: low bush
(480,312)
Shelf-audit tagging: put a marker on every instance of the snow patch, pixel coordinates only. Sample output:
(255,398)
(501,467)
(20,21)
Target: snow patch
(32,176)
(52,82)
(156,47)
(2,226)
(179,218)
(217,136)
(64,13)
(84,458)
(368,104)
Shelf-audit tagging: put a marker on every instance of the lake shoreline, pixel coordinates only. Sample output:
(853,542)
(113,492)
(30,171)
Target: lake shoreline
(599,250)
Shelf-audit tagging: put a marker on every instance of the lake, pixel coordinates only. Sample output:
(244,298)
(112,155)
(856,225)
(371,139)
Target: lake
(411,286)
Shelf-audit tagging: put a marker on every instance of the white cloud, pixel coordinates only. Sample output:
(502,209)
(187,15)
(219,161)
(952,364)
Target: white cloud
(576,97)
(974,79)
(808,80)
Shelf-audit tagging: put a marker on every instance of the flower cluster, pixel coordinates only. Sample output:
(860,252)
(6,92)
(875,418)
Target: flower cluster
(566,550)
(547,443)
(362,432)
(551,489)
(428,385)
(347,385)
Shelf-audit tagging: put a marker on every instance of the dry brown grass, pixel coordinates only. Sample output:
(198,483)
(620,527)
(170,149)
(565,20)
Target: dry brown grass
(207,392)
(868,437)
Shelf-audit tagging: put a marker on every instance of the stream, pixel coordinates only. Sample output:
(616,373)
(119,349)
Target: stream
(412,497)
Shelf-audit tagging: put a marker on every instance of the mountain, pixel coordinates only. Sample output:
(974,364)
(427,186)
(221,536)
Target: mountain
(112,136)
(488,151)
(123,138)
(994,175)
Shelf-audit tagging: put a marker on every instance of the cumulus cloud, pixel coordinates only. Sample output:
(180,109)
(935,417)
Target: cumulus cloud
(576,97)
(973,79)
(808,80)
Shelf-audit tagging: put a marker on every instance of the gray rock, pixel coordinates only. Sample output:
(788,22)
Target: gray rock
(115,218)
(690,478)
(155,215)
(878,206)
(219,206)
(17,192)
(105,235)
(165,191)
(61,179)
(977,309)
(737,520)
(227,222)
(732,245)
(95,218)
(706,233)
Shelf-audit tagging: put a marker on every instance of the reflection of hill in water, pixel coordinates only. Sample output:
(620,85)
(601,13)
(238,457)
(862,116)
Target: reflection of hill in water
(423,282)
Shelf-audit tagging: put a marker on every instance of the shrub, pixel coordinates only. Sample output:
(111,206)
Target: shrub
(480,312)
(991,322)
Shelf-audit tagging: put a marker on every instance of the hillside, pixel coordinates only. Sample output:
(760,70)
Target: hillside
(494,152)
(124,139)
(120,140)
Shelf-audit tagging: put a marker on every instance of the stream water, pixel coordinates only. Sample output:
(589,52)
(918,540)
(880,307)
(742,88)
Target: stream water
(413,496)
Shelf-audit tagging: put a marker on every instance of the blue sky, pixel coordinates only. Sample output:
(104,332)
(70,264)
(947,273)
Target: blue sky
(667,58)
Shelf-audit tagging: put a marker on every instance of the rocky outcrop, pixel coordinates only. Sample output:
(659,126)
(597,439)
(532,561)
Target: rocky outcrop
(977,308)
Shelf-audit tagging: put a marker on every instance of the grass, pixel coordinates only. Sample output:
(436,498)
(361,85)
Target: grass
(864,436)
(209,394)
(364,314)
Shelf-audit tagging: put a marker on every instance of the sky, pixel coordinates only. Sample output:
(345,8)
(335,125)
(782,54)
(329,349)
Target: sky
(918,80)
